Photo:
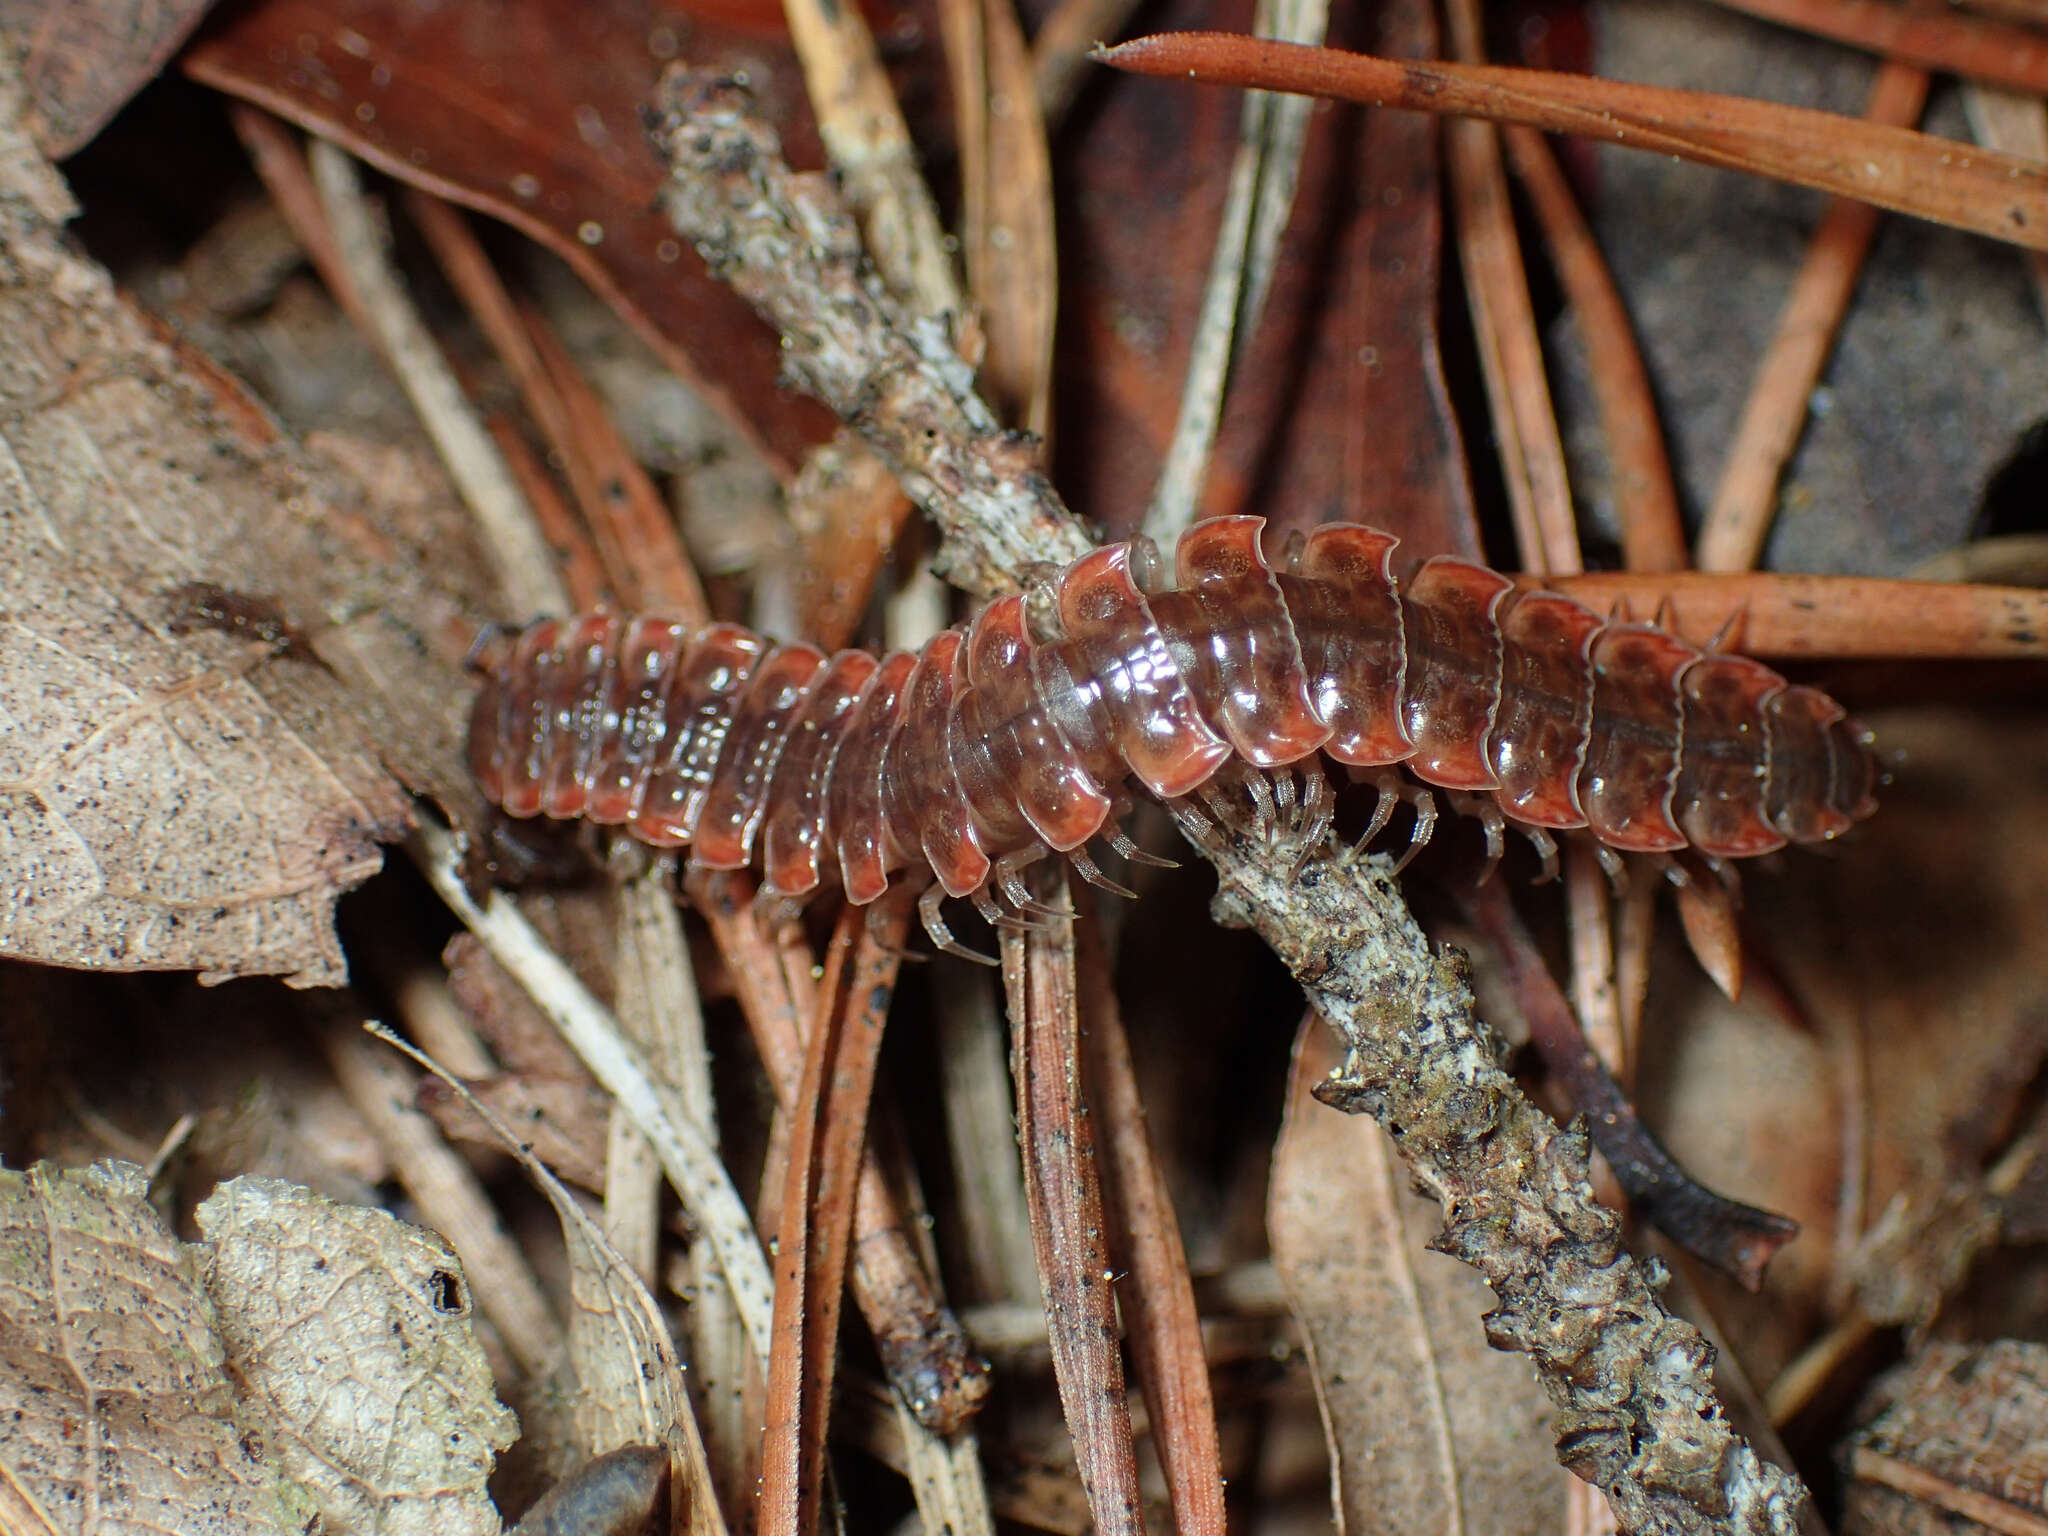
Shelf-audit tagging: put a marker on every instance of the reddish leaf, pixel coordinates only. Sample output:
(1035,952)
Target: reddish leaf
(532,114)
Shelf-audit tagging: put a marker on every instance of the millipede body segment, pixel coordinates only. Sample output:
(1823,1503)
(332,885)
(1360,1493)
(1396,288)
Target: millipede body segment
(1018,733)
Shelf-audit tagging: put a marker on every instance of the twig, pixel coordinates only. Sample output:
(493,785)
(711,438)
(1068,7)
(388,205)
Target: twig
(786,243)
(1640,1415)
(869,145)
(1637,1412)
(1736,1239)
(1930,178)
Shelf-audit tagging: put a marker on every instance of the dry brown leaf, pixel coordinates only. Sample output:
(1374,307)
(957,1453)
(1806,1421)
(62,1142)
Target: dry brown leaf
(1429,1429)
(119,1413)
(350,1331)
(176,790)
(1961,1436)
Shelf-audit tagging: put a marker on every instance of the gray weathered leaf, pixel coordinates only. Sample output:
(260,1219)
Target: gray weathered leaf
(182,786)
(119,1418)
(351,1330)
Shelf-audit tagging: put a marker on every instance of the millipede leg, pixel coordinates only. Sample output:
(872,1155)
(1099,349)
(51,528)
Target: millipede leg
(1009,879)
(1086,868)
(1390,788)
(876,911)
(1194,826)
(773,911)
(1283,796)
(1425,823)
(1546,850)
(993,914)
(1488,815)
(1260,788)
(942,936)
(1121,845)
(1616,867)
(1663,864)
(1312,824)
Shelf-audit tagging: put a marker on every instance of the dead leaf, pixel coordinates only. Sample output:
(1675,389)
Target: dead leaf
(624,1383)
(167,800)
(1926,1013)
(351,1331)
(82,61)
(532,115)
(119,1413)
(1961,1435)
(1429,1429)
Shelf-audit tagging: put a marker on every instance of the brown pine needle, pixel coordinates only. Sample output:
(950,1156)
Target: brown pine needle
(817,1213)
(1784,615)
(1935,39)
(1063,1189)
(1645,499)
(1774,416)
(1160,1319)
(1915,173)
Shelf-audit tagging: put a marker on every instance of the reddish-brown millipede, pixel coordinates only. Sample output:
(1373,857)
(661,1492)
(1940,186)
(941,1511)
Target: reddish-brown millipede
(1015,734)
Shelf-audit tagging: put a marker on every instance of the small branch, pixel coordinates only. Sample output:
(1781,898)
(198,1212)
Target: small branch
(786,243)
(1640,1417)
(1633,1384)
(1736,1239)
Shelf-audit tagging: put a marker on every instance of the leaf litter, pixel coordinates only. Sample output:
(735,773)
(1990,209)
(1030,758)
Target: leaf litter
(1833,1168)
(308,1362)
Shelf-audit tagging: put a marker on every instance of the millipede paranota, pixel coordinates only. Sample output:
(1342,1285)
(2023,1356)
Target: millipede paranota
(1017,733)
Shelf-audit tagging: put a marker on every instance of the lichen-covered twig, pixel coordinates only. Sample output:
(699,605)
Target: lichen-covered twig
(1638,1414)
(786,242)
(1632,1382)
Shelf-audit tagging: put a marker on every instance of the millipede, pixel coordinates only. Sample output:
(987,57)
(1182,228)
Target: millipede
(1018,734)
